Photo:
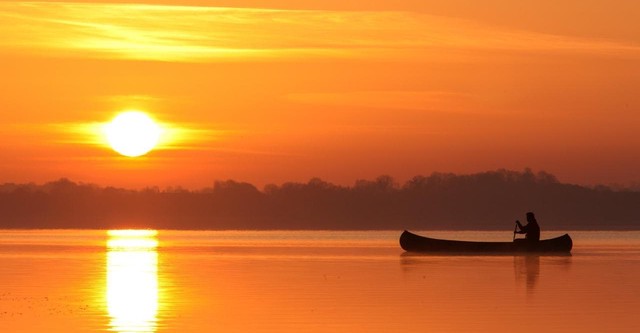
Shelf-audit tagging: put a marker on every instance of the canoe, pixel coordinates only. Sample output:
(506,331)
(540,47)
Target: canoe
(414,243)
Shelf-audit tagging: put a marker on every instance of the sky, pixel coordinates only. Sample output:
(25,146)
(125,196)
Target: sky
(276,91)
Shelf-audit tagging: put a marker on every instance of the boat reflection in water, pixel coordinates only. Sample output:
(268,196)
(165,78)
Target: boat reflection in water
(132,280)
(527,269)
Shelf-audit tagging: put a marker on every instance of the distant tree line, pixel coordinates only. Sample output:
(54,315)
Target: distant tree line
(489,200)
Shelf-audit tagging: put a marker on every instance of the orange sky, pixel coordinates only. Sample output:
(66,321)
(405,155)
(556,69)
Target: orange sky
(272,91)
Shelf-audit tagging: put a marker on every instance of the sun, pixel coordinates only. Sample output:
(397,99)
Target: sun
(132,133)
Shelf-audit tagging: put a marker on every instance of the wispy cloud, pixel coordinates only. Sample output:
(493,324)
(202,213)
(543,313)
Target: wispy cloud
(390,100)
(194,34)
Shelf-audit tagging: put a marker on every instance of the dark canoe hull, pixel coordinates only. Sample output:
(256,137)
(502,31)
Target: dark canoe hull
(414,243)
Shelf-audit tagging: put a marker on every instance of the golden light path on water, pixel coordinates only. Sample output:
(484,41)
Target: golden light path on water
(132,280)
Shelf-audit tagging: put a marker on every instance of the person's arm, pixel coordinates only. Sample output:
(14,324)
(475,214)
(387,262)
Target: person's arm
(523,228)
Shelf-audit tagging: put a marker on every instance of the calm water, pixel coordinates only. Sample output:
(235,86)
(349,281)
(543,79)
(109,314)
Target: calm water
(236,281)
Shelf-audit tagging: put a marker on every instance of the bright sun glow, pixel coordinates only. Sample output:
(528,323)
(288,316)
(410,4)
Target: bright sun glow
(132,133)
(132,233)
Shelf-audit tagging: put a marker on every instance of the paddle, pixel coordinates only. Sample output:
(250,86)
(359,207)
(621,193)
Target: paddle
(515,230)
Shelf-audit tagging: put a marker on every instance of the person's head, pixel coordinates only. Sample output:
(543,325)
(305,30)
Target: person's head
(531,217)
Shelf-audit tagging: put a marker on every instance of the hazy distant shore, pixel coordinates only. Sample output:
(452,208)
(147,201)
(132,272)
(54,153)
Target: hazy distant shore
(484,201)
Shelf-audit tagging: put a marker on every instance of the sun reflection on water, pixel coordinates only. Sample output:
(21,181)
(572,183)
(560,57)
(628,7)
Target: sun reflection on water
(132,280)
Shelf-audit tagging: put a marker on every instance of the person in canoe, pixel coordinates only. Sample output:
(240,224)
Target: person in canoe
(531,230)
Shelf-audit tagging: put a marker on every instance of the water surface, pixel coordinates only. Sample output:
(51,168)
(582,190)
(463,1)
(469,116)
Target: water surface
(309,281)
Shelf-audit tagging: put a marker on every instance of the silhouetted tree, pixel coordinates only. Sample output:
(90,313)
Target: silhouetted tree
(487,200)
